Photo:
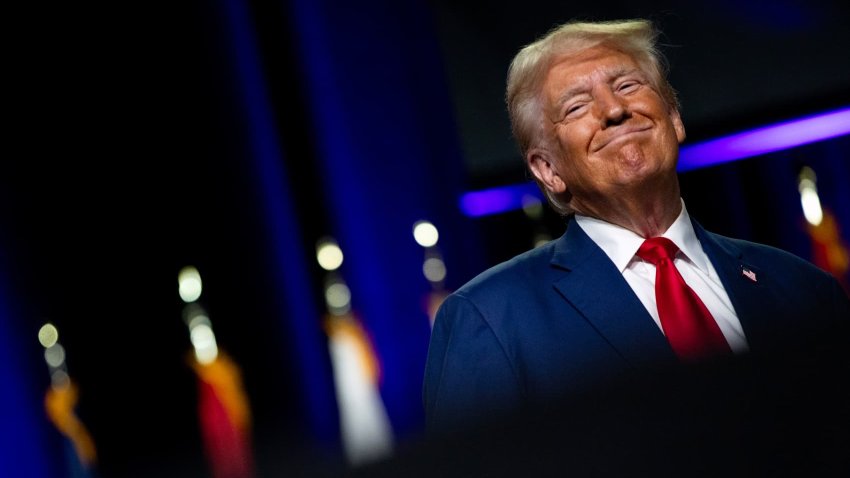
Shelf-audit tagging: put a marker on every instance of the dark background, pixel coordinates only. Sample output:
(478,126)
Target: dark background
(127,161)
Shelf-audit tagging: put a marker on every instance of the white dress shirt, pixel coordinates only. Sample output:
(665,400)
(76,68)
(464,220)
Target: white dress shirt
(621,245)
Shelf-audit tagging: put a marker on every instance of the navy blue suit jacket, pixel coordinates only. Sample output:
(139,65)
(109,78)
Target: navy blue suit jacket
(561,319)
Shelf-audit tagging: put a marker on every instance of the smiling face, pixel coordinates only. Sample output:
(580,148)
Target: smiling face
(614,134)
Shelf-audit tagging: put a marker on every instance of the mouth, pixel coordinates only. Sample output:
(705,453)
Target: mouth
(621,135)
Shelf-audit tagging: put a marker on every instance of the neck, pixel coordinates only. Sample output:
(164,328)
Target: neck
(646,213)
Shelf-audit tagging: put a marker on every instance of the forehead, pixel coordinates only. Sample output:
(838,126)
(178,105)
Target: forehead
(583,68)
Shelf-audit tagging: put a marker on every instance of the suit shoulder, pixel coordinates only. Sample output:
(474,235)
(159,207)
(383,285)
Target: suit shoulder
(504,277)
(765,255)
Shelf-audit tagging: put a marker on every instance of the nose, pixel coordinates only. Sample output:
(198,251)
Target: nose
(611,109)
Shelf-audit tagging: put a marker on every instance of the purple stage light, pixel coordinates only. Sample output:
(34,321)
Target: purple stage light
(767,139)
(497,200)
(763,140)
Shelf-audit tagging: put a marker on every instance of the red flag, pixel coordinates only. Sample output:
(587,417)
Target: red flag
(225,418)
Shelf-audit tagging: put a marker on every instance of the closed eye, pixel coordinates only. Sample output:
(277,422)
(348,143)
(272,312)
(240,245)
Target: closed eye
(574,109)
(628,86)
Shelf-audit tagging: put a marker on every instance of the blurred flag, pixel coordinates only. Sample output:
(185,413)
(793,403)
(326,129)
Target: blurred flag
(365,428)
(60,403)
(829,250)
(433,266)
(225,417)
(366,431)
(223,410)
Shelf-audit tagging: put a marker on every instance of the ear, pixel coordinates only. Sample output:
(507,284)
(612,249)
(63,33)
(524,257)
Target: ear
(676,118)
(542,165)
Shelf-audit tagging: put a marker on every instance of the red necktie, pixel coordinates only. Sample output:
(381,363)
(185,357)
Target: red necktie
(691,330)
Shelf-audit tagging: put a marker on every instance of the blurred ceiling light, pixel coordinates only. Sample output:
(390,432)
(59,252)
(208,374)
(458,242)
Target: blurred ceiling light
(434,269)
(48,335)
(809,198)
(425,233)
(203,339)
(189,280)
(329,255)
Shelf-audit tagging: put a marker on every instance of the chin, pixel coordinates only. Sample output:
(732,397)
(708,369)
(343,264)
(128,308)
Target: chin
(633,162)
(641,173)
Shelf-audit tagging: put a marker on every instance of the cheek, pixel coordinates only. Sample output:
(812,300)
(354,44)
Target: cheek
(575,138)
(670,140)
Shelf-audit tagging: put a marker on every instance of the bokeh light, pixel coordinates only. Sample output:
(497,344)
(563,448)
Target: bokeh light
(541,239)
(190,285)
(532,206)
(48,335)
(203,339)
(338,298)
(329,255)
(434,269)
(425,234)
(55,355)
(809,199)
(59,378)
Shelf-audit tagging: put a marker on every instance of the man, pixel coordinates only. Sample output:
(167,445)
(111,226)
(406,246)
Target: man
(634,284)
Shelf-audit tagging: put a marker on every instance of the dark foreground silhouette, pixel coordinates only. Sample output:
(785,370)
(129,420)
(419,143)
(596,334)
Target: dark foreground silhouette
(784,414)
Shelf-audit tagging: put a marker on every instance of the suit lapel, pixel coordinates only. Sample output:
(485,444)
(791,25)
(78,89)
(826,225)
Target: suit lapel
(742,281)
(594,286)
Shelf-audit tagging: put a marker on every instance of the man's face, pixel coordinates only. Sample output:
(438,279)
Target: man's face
(614,132)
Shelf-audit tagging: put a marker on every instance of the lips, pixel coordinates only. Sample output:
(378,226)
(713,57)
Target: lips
(619,133)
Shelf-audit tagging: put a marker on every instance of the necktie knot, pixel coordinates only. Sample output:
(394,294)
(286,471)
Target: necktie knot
(657,249)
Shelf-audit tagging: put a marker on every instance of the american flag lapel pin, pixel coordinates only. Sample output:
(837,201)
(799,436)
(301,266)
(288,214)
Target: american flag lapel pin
(749,274)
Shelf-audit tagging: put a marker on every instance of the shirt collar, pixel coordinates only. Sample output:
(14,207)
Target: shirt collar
(681,232)
(621,244)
